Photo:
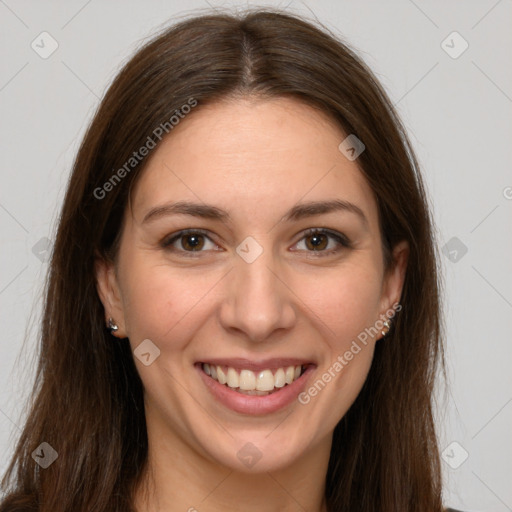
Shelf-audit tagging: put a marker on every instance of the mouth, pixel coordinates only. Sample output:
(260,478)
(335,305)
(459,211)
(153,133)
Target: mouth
(255,388)
(254,383)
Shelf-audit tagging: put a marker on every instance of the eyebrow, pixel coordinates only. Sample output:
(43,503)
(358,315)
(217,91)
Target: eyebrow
(299,211)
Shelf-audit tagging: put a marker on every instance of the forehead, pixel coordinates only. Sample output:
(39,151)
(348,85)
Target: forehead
(252,156)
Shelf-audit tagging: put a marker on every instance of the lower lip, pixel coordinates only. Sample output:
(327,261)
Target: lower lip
(251,404)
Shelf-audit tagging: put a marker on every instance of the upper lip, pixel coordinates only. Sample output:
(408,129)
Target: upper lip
(241,363)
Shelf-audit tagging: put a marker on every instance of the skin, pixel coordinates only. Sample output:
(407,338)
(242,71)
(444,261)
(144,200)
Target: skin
(255,159)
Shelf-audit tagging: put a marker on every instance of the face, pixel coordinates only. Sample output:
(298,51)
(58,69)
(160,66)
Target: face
(281,266)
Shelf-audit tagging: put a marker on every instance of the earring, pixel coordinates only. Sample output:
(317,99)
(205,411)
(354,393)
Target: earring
(111,326)
(387,325)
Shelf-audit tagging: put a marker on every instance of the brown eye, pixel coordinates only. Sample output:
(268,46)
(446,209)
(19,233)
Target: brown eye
(193,242)
(322,242)
(317,241)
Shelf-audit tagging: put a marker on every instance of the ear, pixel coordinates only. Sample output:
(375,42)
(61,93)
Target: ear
(395,276)
(109,293)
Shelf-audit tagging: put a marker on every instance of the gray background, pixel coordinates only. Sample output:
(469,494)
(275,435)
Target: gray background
(457,111)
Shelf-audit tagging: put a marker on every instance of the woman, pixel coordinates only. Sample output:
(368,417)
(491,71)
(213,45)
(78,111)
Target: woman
(242,308)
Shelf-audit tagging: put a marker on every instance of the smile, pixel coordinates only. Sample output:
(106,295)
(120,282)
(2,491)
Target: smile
(255,388)
(259,383)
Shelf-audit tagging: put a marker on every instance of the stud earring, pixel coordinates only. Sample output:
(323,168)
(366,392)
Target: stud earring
(112,327)
(387,325)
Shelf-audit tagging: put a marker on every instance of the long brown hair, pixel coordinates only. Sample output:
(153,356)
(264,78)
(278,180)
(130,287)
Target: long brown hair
(88,398)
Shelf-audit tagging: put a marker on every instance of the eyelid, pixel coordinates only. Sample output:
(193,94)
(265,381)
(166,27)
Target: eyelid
(340,238)
(169,240)
(173,236)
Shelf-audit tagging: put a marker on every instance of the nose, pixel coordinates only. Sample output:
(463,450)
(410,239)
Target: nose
(258,301)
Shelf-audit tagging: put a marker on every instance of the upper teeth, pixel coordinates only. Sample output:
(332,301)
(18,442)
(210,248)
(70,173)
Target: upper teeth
(248,380)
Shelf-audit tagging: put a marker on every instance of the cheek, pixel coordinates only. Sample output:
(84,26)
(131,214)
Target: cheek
(159,302)
(348,305)
(347,302)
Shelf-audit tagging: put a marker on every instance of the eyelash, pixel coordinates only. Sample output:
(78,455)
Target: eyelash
(341,239)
